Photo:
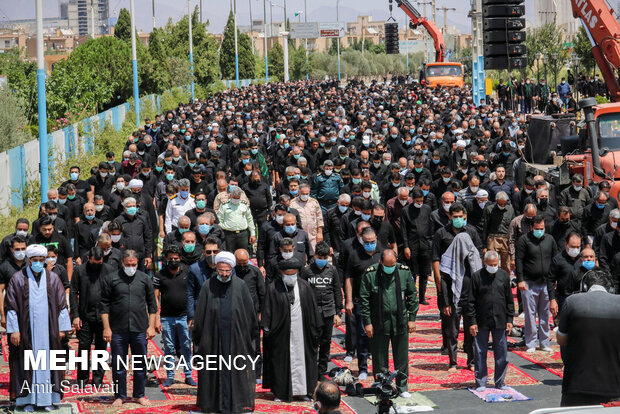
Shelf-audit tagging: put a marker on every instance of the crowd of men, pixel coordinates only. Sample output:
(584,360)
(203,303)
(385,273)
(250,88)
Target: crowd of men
(286,208)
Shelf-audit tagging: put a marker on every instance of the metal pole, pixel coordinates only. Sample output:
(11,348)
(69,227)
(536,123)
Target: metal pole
(236,47)
(92,17)
(265,36)
(338,38)
(134,62)
(251,27)
(285,28)
(201,21)
(285,39)
(306,21)
(43,155)
(433,6)
(407,42)
(153,5)
(191,48)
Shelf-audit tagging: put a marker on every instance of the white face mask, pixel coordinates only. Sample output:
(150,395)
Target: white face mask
(492,269)
(279,219)
(98,207)
(474,190)
(403,202)
(19,255)
(366,194)
(235,201)
(130,270)
(328,172)
(613,224)
(577,187)
(482,204)
(115,238)
(287,255)
(290,280)
(120,186)
(418,205)
(446,207)
(304,197)
(573,252)
(247,173)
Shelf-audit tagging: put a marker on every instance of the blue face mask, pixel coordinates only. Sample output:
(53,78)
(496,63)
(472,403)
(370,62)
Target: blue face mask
(62,200)
(89,217)
(459,222)
(189,248)
(343,209)
(204,229)
(439,141)
(183,194)
(407,143)
(245,161)
(168,162)
(425,192)
(290,229)
(132,211)
(588,264)
(254,151)
(600,206)
(538,233)
(74,176)
(183,230)
(294,193)
(370,247)
(356,180)
(365,217)
(200,204)
(37,267)
(321,263)
(389,269)
(435,161)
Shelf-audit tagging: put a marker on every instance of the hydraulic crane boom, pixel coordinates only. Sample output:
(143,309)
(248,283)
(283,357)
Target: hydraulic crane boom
(604,32)
(417,19)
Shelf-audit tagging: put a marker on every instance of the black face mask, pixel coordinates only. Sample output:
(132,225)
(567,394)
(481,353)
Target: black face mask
(543,202)
(211,260)
(95,267)
(173,264)
(242,269)
(376,221)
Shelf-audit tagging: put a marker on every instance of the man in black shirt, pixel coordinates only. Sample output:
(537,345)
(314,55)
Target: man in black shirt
(82,187)
(88,222)
(385,232)
(559,284)
(589,329)
(128,312)
(13,263)
(85,297)
(170,285)
(489,311)
(22,226)
(359,260)
(49,236)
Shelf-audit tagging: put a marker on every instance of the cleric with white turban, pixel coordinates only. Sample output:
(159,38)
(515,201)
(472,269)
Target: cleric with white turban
(225,263)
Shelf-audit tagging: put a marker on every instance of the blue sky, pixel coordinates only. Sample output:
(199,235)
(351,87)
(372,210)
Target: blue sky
(217,11)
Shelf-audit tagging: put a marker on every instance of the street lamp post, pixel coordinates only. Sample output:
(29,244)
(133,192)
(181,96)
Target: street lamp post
(191,48)
(338,38)
(576,59)
(545,60)
(236,46)
(43,150)
(134,63)
(538,57)
(265,37)
(306,21)
(285,42)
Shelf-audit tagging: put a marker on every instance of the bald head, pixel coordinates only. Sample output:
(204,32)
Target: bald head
(242,257)
(290,220)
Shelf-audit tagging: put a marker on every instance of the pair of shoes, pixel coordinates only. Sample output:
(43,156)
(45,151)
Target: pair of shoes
(190,381)
(444,350)
(548,349)
(348,358)
(452,368)
(168,383)
(531,350)
(503,388)
(424,302)
(362,376)
(405,394)
(29,408)
(480,389)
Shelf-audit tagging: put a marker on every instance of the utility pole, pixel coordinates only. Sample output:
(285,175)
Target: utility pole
(362,35)
(43,150)
(338,39)
(134,63)
(251,27)
(201,21)
(426,47)
(306,21)
(407,41)
(445,17)
(92,18)
(285,41)
(236,46)
(153,14)
(434,9)
(265,38)
(477,55)
(191,48)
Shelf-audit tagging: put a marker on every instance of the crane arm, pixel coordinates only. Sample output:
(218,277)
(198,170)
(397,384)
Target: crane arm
(417,19)
(604,32)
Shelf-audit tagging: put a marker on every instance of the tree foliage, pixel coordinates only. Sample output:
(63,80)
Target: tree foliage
(276,63)
(12,120)
(122,30)
(548,40)
(247,65)
(583,49)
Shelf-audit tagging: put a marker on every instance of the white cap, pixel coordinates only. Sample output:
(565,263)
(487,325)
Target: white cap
(135,183)
(459,143)
(35,250)
(458,131)
(482,194)
(226,257)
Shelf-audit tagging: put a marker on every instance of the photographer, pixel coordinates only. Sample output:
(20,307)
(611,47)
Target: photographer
(327,398)
(384,288)
(589,329)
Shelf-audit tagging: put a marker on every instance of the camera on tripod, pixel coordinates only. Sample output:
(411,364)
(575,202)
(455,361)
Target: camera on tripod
(385,389)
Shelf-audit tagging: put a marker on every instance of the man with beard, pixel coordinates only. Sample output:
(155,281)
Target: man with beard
(225,324)
(291,323)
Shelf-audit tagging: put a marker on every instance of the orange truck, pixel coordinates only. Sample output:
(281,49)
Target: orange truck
(444,74)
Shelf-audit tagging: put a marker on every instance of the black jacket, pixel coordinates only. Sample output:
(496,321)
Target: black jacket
(416,227)
(533,257)
(85,285)
(255,282)
(490,304)
(325,284)
(137,234)
(562,267)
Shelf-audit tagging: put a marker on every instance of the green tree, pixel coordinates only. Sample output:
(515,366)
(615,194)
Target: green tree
(377,49)
(162,76)
(12,120)
(297,60)
(227,53)
(549,41)
(276,62)
(122,30)
(583,49)
(333,47)
(21,77)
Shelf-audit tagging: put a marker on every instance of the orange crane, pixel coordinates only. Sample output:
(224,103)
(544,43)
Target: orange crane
(439,73)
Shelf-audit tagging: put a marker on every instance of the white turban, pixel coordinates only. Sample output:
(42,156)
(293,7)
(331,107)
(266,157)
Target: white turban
(35,250)
(135,183)
(482,194)
(226,257)
(459,143)
(458,131)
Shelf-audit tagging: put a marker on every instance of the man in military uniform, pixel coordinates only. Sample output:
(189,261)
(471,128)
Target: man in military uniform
(236,221)
(389,305)
(543,95)
(178,205)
